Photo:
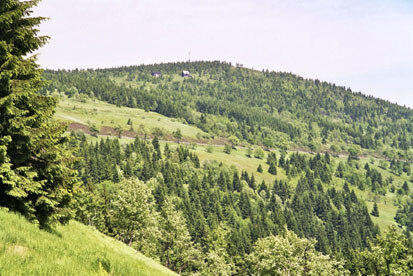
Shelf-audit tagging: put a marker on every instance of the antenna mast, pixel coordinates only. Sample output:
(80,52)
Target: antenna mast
(189,56)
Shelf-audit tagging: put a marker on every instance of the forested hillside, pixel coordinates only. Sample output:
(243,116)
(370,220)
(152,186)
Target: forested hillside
(221,218)
(268,108)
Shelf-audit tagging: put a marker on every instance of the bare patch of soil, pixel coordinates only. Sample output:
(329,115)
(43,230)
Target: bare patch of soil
(17,250)
(106,130)
(79,127)
(110,131)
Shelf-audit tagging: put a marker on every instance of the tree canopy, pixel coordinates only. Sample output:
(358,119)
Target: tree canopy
(291,255)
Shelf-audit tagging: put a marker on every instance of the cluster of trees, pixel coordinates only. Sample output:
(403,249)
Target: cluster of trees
(212,199)
(268,108)
(290,255)
(399,167)
(371,179)
(390,255)
(404,215)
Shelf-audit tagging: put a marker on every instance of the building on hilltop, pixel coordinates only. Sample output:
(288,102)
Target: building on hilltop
(185,74)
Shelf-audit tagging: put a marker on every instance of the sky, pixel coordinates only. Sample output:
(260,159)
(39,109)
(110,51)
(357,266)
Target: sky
(366,45)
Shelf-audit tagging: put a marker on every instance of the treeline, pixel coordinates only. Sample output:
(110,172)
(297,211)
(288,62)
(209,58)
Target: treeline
(283,108)
(208,217)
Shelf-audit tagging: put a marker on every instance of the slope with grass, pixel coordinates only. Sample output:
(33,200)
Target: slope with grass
(74,249)
(101,115)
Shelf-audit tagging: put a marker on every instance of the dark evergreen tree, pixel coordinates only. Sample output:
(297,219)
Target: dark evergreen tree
(405,188)
(375,211)
(404,215)
(272,169)
(35,178)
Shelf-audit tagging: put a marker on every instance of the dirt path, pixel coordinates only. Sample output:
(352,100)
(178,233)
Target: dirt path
(73,119)
(107,131)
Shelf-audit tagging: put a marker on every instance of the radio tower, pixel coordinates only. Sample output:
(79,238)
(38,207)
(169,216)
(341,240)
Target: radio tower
(189,56)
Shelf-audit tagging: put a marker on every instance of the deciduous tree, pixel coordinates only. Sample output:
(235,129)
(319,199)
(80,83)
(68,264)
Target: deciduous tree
(133,218)
(178,251)
(177,135)
(392,255)
(291,255)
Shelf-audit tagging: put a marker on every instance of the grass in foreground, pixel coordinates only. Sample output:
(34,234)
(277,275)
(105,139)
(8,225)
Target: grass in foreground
(74,249)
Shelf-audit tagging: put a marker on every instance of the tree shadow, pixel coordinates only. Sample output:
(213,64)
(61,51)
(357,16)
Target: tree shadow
(51,230)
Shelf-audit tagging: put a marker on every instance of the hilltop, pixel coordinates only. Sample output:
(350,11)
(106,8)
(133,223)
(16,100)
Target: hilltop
(273,109)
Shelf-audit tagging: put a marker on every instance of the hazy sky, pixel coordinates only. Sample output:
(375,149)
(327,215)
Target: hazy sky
(366,45)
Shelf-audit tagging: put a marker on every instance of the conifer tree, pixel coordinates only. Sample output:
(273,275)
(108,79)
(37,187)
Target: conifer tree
(375,211)
(405,187)
(34,175)
(272,169)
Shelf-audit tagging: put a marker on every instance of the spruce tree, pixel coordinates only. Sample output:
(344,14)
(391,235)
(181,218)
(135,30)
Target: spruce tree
(375,211)
(34,175)
(405,187)
(272,169)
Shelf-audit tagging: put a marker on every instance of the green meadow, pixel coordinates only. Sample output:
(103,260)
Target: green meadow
(73,249)
(97,113)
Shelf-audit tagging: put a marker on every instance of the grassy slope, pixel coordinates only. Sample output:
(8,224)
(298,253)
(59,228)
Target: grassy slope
(74,249)
(387,209)
(239,159)
(103,114)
